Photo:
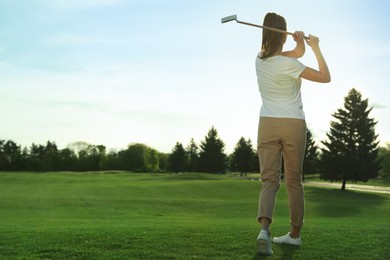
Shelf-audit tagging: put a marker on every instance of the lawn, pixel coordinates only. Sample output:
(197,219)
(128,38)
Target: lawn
(186,216)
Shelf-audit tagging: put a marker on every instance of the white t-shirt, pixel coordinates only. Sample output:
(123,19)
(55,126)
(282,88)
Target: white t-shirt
(280,87)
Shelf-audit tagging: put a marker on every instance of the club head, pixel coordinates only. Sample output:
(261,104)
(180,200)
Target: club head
(229,18)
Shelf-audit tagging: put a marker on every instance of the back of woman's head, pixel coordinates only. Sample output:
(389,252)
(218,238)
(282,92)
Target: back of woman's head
(272,41)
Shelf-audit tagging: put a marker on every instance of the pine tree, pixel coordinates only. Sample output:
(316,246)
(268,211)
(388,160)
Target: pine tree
(178,159)
(350,153)
(311,156)
(242,158)
(193,156)
(50,159)
(212,158)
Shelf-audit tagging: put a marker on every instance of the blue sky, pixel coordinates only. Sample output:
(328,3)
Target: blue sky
(115,72)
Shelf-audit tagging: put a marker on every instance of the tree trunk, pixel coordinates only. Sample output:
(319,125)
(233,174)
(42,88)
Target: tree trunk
(343,186)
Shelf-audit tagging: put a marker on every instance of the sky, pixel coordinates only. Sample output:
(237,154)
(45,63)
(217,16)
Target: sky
(116,72)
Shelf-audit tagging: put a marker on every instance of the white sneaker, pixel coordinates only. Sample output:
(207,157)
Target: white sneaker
(287,239)
(264,243)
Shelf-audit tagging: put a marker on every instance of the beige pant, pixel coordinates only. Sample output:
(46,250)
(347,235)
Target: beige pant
(277,137)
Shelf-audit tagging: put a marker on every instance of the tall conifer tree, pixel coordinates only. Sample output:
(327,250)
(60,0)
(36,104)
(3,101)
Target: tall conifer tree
(310,161)
(350,153)
(212,158)
(193,156)
(178,159)
(243,156)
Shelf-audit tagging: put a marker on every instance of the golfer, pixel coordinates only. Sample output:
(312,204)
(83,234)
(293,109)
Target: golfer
(282,127)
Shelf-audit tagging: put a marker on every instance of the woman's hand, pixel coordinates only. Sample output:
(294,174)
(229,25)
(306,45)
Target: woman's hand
(322,74)
(299,49)
(298,36)
(313,41)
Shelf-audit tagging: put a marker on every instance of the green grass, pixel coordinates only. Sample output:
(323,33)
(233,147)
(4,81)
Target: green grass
(187,216)
(316,177)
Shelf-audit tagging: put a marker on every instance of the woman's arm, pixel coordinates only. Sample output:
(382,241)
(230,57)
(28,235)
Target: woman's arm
(322,74)
(299,48)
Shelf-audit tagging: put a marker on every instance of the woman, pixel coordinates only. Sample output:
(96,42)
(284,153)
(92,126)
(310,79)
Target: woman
(282,127)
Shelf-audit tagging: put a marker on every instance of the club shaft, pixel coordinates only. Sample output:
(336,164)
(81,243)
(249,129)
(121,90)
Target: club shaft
(268,28)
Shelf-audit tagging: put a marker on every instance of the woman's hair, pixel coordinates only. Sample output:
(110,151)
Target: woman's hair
(272,41)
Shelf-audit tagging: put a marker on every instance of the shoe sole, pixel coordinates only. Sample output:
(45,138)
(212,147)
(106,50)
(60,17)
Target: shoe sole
(262,247)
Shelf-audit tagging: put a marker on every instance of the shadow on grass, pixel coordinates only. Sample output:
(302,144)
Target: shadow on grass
(288,252)
(258,256)
(336,203)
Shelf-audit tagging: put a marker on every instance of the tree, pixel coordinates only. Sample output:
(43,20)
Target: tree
(384,158)
(35,162)
(11,156)
(152,160)
(68,160)
(2,156)
(212,158)
(50,158)
(350,153)
(101,157)
(178,159)
(310,161)
(133,159)
(113,161)
(193,156)
(90,157)
(78,147)
(140,158)
(163,159)
(243,156)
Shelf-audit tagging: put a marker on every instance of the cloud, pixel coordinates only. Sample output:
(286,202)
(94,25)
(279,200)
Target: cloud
(378,106)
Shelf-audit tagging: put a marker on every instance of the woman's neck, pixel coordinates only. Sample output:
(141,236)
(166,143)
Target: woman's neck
(278,52)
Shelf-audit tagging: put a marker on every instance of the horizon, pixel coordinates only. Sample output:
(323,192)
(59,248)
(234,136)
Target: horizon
(116,72)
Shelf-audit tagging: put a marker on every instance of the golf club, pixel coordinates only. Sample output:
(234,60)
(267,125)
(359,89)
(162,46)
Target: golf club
(234,18)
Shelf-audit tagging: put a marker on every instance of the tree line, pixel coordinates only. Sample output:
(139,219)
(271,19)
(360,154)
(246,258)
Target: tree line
(78,156)
(349,153)
(208,157)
